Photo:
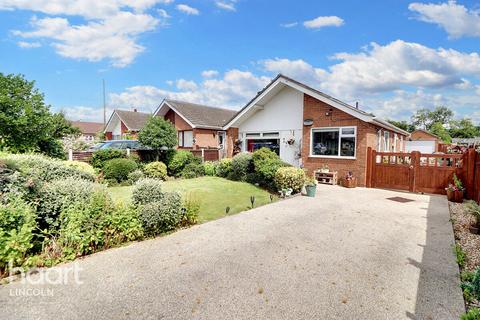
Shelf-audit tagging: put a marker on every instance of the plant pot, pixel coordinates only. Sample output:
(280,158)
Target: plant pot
(458,196)
(311,191)
(474,229)
(451,195)
(351,183)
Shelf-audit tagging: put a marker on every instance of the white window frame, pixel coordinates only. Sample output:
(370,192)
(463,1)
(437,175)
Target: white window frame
(340,136)
(386,141)
(182,141)
(395,141)
(222,134)
(188,139)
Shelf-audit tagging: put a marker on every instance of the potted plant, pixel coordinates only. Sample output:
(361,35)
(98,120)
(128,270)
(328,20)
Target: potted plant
(325,169)
(350,181)
(455,190)
(474,209)
(311,186)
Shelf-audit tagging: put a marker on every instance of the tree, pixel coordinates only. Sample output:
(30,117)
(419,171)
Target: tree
(421,118)
(425,118)
(439,130)
(26,124)
(404,125)
(158,134)
(463,128)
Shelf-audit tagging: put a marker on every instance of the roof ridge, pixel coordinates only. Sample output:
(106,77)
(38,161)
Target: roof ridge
(200,105)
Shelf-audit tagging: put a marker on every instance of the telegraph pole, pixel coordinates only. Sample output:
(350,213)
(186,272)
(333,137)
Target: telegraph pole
(104,105)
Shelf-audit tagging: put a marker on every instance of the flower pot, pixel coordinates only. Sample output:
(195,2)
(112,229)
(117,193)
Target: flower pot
(311,190)
(458,196)
(474,229)
(451,195)
(350,183)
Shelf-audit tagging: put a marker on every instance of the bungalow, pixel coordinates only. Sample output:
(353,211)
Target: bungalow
(310,129)
(89,130)
(198,126)
(123,124)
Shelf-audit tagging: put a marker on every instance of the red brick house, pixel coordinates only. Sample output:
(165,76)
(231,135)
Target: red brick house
(124,124)
(89,130)
(198,126)
(423,141)
(310,129)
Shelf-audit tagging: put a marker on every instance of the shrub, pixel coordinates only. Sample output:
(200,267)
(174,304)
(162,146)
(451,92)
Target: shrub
(191,208)
(118,169)
(210,168)
(242,165)
(156,169)
(81,166)
(38,168)
(472,314)
(473,286)
(146,191)
(59,195)
(180,161)
(17,223)
(290,177)
(460,255)
(224,168)
(193,170)
(163,215)
(266,164)
(101,156)
(134,176)
(12,183)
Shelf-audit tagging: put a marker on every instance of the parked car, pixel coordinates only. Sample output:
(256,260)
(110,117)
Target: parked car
(119,144)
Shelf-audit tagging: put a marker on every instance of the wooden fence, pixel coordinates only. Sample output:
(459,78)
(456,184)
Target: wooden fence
(429,173)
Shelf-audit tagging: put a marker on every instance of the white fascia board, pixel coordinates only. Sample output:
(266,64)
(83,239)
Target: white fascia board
(181,115)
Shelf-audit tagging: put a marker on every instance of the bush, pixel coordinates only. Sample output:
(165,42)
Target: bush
(17,223)
(40,169)
(12,183)
(156,169)
(210,168)
(193,170)
(242,166)
(134,176)
(224,168)
(95,225)
(101,156)
(180,161)
(163,215)
(266,164)
(290,177)
(146,191)
(191,207)
(472,314)
(59,195)
(118,169)
(473,286)
(81,166)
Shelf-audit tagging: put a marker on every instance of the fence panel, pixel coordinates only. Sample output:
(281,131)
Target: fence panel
(391,170)
(435,172)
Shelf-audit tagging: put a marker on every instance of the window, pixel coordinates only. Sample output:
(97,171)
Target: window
(386,141)
(334,142)
(221,139)
(185,139)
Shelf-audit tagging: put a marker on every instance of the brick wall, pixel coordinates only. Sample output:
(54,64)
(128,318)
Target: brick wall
(205,138)
(232,136)
(177,121)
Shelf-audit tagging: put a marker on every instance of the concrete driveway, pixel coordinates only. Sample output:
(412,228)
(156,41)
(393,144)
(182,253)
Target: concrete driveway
(346,254)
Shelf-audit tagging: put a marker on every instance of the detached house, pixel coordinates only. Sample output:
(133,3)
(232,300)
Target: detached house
(123,124)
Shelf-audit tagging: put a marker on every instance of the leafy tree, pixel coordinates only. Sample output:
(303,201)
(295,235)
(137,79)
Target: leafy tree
(158,134)
(463,128)
(425,118)
(26,124)
(421,118)
(439,130)
(404,125)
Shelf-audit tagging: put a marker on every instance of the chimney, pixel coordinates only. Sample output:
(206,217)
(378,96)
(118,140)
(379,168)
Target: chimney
(135,110)
(356,104)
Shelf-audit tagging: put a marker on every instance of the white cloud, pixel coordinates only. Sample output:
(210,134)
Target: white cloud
(457,20)
(289,25)
(183,84)
(478,90)
(28,45)
(297,69)
(232,91)
(188,10)
(228,5)
(320,22)
(109,29)
(83,113)
(209,73)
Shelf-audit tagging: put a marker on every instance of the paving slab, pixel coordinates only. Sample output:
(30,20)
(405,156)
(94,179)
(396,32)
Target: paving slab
(345,254)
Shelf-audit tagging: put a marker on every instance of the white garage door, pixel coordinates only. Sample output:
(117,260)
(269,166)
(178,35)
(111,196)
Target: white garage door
(422,146)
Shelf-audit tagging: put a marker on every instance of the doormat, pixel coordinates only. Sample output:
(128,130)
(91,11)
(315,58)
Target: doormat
(400,199)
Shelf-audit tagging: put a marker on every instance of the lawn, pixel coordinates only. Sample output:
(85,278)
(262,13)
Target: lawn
(214,194)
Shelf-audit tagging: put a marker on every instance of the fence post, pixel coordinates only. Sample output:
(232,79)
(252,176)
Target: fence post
(70,154)
(368,183)
(414,168)
(128,152)
(203,155)
(469,172)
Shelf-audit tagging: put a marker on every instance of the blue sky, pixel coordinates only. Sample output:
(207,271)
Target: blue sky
(394,57)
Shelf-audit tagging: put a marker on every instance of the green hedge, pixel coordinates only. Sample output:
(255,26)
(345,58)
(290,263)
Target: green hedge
(118,169)
(156,169)
(101,156)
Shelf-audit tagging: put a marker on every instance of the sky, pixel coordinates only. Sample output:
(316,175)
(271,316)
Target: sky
(393,57)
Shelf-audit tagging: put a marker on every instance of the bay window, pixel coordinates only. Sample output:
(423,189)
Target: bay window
(333,142)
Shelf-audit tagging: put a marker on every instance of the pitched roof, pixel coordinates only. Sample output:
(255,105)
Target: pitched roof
(426,132)
(200,115)
(284,80)
(88,127)
(134,120)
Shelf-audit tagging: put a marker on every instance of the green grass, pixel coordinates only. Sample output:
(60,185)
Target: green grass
(214,194)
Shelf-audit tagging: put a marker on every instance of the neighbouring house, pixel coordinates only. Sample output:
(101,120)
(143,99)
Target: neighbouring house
(198,126)
(124,124)
(422,141)
(89,130)
(310,129)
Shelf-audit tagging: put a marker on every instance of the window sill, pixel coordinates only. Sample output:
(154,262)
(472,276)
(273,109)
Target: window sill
(333,157)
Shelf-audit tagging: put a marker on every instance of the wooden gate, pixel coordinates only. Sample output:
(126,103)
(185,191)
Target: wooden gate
(417,172)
